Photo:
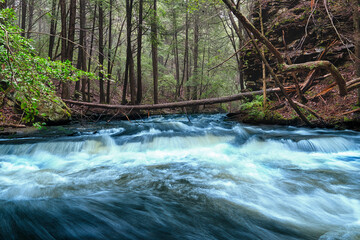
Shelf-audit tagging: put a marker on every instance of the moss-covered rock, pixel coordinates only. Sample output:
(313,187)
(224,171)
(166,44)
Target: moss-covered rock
(54,111)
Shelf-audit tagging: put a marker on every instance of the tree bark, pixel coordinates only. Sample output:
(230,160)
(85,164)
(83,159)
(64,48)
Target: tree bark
(154,51)
(139,42)
(71,34)
(185,76)
(65,86)
(238,53)
(129,54)
(176,54)
(196,56)
(23,16)
(91,50)
(109,53)
(81,64)
(101,53)
(182,104)
(52,29)
(31,17)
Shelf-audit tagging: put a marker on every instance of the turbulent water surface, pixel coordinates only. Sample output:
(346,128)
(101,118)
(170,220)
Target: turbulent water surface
(171,178)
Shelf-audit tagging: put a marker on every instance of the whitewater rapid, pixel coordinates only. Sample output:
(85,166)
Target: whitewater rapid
(171,178)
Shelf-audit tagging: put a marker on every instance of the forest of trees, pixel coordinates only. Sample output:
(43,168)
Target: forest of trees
(150,52)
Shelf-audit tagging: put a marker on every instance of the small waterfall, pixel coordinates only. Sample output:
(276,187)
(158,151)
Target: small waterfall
(325,145)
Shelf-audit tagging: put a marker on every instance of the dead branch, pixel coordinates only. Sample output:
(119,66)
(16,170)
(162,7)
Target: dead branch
(352,111)
(322,65)
(281,61)
(230,56)
(310,111)
(278,82)
(6,125)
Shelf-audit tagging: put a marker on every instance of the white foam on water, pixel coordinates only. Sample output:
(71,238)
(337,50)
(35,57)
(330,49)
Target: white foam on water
(309,184)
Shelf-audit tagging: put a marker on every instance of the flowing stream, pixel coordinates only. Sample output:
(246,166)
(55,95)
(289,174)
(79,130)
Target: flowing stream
(171,178)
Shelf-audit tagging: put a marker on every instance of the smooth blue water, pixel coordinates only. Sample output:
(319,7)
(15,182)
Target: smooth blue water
(168,178)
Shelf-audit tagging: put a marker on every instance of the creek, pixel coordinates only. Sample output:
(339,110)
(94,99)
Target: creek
(178,178)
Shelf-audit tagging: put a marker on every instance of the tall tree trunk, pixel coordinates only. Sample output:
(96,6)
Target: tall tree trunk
(356,17)
(31,17)
(129,55)
(71,34)
(139,71)
(126,76)
(65,86)
(185,76)
(154,51)
(176,55)
(238,55)
(81,64)
(52,28)
(196,55)
(91,50)
(101,52)
(23,16)
(109,54)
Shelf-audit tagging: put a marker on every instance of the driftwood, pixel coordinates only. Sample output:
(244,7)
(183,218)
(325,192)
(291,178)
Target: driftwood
(174,104)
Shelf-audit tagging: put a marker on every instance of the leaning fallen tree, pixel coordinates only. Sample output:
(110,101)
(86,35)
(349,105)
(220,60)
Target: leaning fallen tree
(182,104)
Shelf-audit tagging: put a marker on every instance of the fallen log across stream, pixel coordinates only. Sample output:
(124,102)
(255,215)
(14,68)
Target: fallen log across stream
(189,103)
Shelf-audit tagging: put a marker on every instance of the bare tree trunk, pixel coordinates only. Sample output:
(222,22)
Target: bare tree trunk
(23,16)
(101,53)
(126,76)
(139,70)
(52,28)
(31,17)
(196,56)
(65,86)
(238,55)
(176,55)
(109,54)
(185,76)
(154,51)
(129,55)
(71,34)
(81,64)
(91,50)
(262,63)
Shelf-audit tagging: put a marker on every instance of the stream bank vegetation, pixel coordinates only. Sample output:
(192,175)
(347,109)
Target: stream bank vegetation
(264,61)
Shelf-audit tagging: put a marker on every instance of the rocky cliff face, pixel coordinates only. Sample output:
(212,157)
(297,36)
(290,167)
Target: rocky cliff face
(306,30)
